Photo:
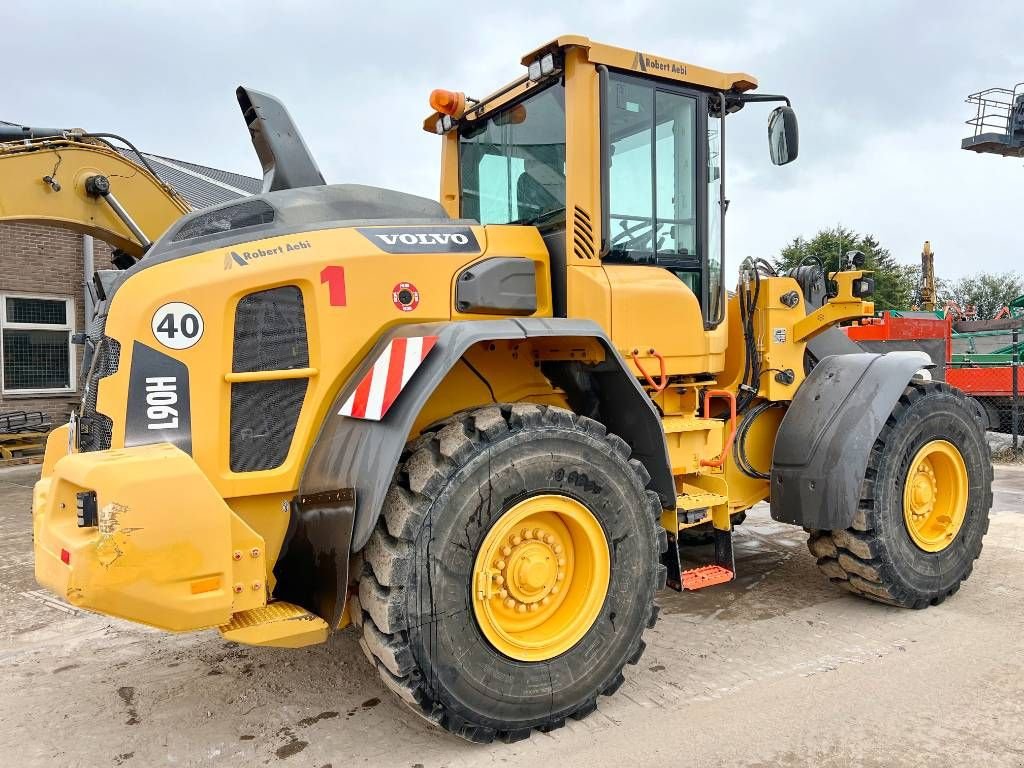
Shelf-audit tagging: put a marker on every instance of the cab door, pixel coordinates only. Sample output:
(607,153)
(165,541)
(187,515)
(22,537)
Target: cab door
(657,163)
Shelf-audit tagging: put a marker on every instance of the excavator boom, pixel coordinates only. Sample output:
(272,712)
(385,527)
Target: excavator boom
(84,185)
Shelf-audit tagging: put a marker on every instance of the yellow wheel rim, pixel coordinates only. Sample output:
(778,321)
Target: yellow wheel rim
(935,496)
(540,577)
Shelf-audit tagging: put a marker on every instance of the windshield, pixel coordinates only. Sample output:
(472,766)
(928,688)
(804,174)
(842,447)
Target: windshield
(512,164)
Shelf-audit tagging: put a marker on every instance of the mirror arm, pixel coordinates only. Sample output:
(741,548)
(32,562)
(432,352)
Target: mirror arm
(749,98)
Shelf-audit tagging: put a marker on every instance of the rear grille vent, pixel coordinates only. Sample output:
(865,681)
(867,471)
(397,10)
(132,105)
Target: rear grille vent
(263,418)
(270,335)
(251,213)
(583,234)
(95,429)
(270,331)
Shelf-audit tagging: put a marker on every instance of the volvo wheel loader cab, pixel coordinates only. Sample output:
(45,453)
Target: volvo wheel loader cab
(478,429)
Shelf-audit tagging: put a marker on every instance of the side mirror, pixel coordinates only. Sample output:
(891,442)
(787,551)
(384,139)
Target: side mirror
(783,135)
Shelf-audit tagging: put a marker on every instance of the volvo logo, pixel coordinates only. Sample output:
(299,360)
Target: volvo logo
(422,239)
(426,238)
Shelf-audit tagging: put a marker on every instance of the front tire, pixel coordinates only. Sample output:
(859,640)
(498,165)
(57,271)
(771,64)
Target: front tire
(924,504)
(438,637)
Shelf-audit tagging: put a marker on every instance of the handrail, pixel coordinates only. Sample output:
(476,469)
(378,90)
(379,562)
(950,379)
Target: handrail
(657,386)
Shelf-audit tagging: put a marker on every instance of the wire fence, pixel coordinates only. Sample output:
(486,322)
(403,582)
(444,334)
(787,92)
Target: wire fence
(989,366)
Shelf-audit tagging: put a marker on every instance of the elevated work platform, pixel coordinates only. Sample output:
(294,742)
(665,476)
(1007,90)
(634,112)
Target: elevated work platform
(998,123)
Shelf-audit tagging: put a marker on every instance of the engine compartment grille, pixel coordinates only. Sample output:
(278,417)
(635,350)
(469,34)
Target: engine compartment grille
(95,429)
(270,335)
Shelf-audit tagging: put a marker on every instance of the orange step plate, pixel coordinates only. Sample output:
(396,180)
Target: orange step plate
(707,576)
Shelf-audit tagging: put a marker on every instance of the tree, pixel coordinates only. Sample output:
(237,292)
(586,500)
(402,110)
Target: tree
(988,292)
(896,285)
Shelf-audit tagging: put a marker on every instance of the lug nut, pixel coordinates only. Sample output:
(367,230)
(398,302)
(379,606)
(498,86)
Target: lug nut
(238,589)
(236,555)
(257,586)
(255,552)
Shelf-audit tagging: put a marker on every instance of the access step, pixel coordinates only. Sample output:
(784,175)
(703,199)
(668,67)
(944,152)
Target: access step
(720,571)
(278,624)
(706,576)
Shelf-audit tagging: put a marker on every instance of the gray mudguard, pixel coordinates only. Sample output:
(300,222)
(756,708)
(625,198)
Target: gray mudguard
(362,455)
(825,439)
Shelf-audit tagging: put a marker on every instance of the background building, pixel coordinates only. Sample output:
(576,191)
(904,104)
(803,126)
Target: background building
(43,299)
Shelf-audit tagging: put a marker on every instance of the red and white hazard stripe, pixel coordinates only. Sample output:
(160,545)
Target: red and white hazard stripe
(389,375)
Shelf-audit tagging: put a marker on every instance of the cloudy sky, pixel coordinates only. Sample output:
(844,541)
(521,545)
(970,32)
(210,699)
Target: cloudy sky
(879,88)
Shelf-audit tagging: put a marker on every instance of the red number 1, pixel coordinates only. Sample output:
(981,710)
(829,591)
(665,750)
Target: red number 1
(335,279)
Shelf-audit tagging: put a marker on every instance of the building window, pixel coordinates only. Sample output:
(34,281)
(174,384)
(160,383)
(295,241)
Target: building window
(35,343)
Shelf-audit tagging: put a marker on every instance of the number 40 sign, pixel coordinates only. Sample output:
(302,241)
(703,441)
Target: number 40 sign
(177,325)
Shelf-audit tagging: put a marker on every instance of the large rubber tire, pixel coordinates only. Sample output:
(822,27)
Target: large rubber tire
(876,557)
(414,599)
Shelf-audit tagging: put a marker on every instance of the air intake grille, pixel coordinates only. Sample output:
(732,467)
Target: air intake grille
(270,331)
(95,429)
(583,234)
(270,335)
(248,214)
(263,417)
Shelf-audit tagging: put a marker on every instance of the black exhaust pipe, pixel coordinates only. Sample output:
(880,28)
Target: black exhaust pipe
(287,162)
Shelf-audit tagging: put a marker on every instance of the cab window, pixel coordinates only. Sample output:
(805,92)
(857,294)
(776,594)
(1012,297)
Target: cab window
(512,164)
(656,146)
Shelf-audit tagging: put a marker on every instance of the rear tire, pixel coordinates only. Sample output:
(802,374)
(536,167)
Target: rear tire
(877,556)
(415,601)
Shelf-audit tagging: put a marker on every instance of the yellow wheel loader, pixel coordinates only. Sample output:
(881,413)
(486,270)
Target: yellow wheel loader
(477,429)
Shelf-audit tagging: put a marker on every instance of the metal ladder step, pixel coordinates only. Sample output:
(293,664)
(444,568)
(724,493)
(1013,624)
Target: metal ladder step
(277,624)
(705,576)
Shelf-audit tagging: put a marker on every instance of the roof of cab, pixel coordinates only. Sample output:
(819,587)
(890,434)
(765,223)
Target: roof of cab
(647,63)
(631,60)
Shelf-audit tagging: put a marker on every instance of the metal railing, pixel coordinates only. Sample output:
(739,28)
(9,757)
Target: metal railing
(994,109)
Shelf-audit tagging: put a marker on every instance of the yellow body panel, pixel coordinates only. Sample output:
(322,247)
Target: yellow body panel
(339,337)
(167,552)
(652,309)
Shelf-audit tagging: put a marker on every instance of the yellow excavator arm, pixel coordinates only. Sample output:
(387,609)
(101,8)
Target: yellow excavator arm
(77,182)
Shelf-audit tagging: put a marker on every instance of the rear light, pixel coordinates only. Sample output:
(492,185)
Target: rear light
(65,557)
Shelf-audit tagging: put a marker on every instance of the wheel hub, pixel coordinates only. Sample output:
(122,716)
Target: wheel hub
(541,577)
(935,495)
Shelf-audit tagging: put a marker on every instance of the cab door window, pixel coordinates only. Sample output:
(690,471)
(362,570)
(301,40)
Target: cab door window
(655,213)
